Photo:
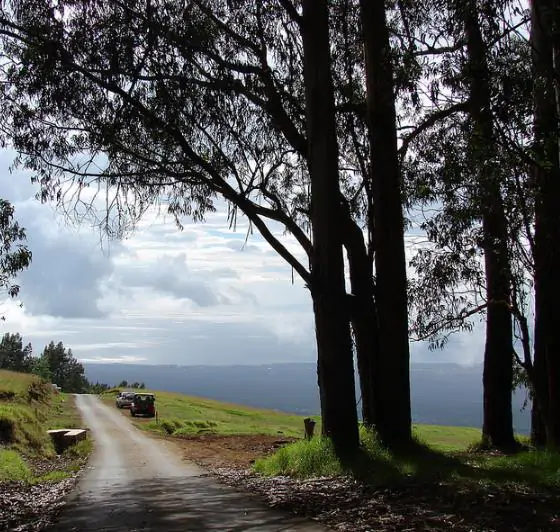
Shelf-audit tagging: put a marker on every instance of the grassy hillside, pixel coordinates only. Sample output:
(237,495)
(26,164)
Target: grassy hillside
(180,414)
(28,408)
(14,383)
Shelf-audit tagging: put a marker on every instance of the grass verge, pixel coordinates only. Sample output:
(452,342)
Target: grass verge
(28,408)
(421,462)
(13,467)
(63,412)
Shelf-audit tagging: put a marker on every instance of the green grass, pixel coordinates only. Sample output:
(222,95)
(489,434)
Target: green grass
(28,408)
(24,402)
(420,462)
(81,449)
(447,438)
(302,459)
(63,413)
(17,383)
(533,467)
(184,415)
(22,429)
(13,466)
(180,414)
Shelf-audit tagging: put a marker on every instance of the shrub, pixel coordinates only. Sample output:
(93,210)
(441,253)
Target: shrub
(168,426)
(314,458)
(81,449)
(39,392)
(177,427)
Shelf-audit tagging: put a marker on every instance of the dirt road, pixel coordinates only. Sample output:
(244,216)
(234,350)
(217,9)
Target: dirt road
(136,483)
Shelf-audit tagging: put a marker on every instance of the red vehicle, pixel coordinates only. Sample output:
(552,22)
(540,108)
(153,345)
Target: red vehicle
(143,404)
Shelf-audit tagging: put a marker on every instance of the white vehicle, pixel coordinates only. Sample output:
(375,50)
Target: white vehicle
(125,399)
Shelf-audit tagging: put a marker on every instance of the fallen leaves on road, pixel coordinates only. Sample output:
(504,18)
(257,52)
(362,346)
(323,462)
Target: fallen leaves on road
(345,504)
(32,507)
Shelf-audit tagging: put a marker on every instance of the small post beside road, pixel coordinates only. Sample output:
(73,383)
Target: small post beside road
(309,427)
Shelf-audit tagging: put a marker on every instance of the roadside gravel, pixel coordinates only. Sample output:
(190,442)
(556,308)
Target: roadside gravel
(28,507)
(345,504)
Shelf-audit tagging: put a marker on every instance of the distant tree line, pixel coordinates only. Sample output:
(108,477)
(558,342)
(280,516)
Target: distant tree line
(132,385)
(55,364)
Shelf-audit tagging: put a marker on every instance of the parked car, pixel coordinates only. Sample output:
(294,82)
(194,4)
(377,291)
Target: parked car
(143,404)
(124,399)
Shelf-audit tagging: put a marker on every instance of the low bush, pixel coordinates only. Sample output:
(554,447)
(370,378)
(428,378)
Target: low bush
(167,426)
(178,427)
(81,449)
(314,458)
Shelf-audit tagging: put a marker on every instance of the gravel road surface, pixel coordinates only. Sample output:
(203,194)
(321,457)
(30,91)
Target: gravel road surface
(136,483)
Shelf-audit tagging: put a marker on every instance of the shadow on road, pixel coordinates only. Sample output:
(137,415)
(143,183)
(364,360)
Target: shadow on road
(173,505)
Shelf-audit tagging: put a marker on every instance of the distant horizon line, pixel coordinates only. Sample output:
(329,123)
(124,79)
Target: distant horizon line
(270,364)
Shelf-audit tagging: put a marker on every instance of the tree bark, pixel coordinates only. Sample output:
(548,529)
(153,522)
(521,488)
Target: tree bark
(497,429)
(538,428)
(546,59)
(363,317)
(539,382)
(335,358)
(393,415)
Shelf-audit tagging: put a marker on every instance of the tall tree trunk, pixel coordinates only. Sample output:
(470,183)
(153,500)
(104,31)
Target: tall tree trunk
(363,319)
(539,383)
(538,428)
(546,63)
(497,426)
(335,358)
(393,415)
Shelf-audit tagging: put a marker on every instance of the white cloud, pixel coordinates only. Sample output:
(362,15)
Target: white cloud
(201,295)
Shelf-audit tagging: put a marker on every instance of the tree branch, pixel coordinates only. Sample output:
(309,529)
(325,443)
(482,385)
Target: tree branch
(428,123)
(292,12)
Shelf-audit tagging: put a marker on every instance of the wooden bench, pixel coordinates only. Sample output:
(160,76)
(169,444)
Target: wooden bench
(64,438)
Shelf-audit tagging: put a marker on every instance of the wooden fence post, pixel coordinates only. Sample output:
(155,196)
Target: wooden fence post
(309,427)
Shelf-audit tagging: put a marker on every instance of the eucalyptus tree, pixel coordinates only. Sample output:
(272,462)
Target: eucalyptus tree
(388,222)
(498,352)
(189,102)
(183,103)
(545,18)
(523,108)
(327,267)
(15,256)
(14,355)
(463,165)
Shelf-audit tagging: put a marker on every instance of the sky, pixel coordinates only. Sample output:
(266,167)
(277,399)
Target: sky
(166,296)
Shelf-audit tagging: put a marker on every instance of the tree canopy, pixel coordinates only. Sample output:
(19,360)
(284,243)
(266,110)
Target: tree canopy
(345,122)
(14,254)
